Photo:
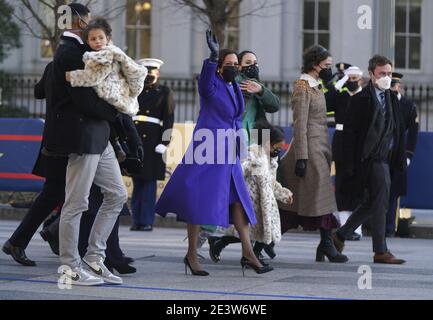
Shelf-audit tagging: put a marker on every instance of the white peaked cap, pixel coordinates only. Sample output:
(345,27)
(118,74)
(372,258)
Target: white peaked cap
(353,71)
(151,63)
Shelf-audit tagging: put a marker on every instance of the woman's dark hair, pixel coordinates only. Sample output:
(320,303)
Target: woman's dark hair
(243,53)
(223,54)
(97,23)
(313,56)
(277,133)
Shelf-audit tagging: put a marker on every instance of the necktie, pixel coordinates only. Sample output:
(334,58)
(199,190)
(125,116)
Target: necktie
(382,102)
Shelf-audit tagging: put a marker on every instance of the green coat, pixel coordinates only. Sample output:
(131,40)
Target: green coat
(256,106)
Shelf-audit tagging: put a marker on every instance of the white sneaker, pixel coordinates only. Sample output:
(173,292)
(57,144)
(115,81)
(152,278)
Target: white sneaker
(80,277)
(100,270)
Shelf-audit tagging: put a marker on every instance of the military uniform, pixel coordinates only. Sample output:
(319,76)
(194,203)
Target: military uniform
(337,100)
(329,89)
(156,115)
(409,116)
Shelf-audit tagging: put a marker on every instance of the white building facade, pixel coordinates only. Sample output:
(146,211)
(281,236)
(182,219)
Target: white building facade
(278,35)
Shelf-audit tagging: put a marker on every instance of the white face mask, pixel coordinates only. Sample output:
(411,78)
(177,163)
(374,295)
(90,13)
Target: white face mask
(384,83)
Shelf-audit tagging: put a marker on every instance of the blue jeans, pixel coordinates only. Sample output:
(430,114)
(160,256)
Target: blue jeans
(143,202)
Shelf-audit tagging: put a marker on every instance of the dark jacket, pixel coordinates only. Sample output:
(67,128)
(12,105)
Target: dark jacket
(337,102)
(156,102)
(80,119)
(411,129)
(48,167)
(359,119)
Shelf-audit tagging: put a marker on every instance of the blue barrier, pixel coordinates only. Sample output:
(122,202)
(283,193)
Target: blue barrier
(20,141)
(420,175)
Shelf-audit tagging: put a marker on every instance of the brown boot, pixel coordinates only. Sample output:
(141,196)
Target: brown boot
(387,258)
(339,244)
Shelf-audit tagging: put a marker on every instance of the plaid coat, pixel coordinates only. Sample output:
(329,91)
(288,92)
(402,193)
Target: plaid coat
(313,194)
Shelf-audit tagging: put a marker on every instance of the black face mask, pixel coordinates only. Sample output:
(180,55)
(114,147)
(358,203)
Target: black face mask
(251,71)
(275,153)
(149,80)
(352,86)
(326,75)
(229,73)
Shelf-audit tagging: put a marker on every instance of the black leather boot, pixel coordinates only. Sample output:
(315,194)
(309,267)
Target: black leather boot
(269,249)
(327,248)
(216,245)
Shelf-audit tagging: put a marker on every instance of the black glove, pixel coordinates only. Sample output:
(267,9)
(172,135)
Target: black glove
(213,45)
(140,153)
(301,168)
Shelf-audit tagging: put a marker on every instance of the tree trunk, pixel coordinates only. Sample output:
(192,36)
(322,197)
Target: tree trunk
(219,30)
(218,18)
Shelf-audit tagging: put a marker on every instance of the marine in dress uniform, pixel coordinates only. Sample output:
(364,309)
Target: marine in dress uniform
(336,86)
(399,178)
(156,115)
(337,100)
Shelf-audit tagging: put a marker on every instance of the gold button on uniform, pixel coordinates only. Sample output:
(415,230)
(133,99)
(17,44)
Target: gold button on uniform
(144,136)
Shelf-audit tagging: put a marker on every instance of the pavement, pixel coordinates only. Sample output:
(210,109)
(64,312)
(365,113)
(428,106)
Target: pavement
(160,276)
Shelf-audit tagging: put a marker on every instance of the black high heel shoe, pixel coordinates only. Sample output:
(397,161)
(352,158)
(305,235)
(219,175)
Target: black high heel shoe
(245,263)
(200,273)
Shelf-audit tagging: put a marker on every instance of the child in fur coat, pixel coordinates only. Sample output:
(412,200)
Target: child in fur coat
(260,174)
(116,77)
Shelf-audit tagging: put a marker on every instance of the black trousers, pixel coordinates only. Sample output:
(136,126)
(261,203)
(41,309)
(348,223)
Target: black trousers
(375,205)
(52,195)
(391,215)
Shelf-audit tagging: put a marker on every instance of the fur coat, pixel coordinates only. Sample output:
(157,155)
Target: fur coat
(117,78)
(260,174)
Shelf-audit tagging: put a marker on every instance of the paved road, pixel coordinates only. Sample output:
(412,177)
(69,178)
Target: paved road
(161,272)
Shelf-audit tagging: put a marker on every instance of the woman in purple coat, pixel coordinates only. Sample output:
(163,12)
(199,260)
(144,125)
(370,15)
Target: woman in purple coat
(208,186)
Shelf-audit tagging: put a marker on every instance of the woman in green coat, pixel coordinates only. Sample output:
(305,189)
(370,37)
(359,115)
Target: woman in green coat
(259,100)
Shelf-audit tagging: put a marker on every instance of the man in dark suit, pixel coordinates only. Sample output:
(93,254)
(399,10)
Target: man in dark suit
(399,178)
(53,169)
(373,143)
(80,130)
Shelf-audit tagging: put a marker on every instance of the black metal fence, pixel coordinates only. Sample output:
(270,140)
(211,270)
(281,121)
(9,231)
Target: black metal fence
(17,92)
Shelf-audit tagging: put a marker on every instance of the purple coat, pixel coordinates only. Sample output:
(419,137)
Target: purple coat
(200,193)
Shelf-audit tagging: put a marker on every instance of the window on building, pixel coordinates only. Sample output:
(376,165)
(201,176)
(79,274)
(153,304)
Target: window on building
(408,34)
(232,31)
(316,23)
(138,28)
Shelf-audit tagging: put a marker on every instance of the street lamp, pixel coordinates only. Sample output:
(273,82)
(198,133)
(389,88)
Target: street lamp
(139,8)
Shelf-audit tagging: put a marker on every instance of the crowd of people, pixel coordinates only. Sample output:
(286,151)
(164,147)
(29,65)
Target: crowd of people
(107,114)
